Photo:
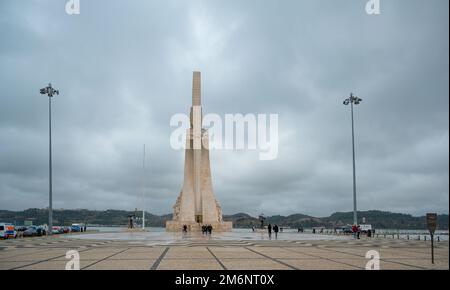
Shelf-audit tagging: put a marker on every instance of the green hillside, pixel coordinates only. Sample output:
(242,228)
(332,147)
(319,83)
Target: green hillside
(379,219)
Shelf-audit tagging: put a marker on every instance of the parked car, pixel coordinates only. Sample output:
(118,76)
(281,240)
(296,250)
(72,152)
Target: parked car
(66,230)
(30,232)
(347,230)
(76,228)
(41,230)
(7,231)
(11,234)
(21,228)
(56,230)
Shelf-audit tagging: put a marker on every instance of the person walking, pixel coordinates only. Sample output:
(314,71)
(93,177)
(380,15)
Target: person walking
(275,229)
(209,228)
(269,229)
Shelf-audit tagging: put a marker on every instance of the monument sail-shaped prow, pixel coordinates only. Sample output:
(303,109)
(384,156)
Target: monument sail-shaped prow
(196,89)
(196,204)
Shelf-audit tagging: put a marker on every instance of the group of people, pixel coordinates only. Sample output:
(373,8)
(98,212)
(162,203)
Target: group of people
(207,229)
(356,230)
(275,230)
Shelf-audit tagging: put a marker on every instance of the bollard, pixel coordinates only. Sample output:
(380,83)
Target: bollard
(425,238)
(407,237)
(438,239)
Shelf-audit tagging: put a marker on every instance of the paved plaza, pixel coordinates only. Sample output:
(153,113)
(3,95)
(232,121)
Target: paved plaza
(218,254)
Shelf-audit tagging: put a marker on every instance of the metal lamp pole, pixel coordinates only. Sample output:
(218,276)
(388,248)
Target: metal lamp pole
(50,92)
(143,191)
(353,100)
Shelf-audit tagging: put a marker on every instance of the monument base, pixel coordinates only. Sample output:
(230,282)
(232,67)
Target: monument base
(177,226)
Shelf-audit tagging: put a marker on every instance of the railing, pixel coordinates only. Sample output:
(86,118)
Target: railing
(390,234)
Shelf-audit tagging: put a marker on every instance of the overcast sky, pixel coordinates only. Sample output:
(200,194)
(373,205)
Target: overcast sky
(125,67)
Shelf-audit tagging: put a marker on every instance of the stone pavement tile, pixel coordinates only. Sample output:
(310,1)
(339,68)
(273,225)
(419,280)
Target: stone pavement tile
(354,251)
(38,256)
(335,255)
(122,265)
(443,252)
(5,265)
(93,254)
(278,253)
(5,255)
(189,264)
(384,265)
(146,249)
(234,252)
(253,264)
(439,264)
(318,264)
(54,265)
(414,254)
(393,253)
(357,262)
(139,255)
(312,251)
(388,265)
(303,253)
(188,252)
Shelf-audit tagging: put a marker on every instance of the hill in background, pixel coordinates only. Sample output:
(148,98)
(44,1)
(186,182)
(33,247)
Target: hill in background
(378,219)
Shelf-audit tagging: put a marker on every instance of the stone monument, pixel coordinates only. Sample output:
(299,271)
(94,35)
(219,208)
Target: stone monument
(196,205)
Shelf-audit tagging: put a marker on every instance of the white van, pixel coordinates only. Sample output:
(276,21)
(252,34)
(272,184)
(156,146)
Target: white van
(7,231)
(365,228)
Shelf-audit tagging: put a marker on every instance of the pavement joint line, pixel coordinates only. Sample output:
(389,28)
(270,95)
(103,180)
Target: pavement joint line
(160,258)
(24,254)
(101,260)
(381,259)
(37,262)
(418,252)
(217,259)
(404,264)
(328,259)
(273,259)
(228,258)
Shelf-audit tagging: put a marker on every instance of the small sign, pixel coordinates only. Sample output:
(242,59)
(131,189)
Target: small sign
(431,222)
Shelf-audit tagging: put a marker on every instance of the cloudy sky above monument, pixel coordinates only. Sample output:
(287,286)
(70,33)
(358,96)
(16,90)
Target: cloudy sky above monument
(125,67)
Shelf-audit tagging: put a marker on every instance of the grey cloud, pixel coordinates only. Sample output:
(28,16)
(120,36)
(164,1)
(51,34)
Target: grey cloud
(125,68)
